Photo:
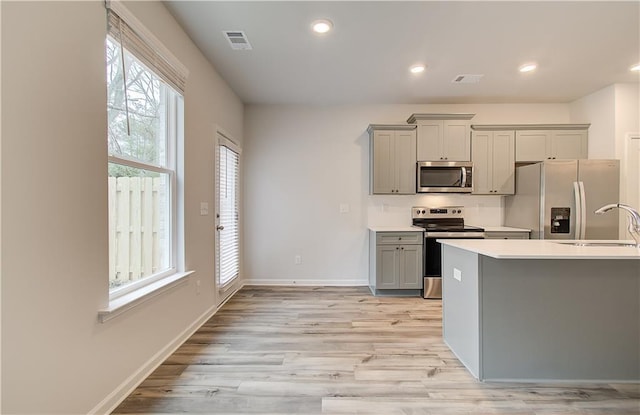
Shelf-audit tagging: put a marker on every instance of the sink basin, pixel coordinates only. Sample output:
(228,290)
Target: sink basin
(599,244)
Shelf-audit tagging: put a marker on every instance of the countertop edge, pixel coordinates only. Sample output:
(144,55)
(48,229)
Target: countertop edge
(540,249)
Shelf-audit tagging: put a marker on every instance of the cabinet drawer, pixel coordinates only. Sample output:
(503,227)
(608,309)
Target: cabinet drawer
(396,238)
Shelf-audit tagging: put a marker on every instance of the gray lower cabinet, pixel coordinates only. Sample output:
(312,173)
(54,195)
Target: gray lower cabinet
(395,262)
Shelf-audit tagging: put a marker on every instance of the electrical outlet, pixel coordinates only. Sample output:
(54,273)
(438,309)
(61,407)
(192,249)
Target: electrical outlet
(297,260)
(344,208)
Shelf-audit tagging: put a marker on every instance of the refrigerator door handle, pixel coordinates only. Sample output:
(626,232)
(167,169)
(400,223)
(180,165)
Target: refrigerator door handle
(578,213)
(583,212)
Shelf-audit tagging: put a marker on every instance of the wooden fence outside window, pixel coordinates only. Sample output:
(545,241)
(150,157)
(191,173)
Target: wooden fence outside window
(137,233)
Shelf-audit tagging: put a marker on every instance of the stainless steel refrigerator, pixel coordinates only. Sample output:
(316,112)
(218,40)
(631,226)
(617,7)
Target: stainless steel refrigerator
(556,199)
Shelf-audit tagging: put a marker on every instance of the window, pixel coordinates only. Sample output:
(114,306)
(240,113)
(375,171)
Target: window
(144,110)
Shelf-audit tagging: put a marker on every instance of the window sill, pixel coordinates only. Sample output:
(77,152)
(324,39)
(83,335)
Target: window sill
(137,297)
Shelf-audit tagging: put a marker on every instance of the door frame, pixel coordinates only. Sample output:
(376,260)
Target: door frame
(631,182)
(222,138)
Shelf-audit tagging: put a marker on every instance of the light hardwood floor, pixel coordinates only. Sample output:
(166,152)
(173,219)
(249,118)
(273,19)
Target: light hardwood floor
(312,350)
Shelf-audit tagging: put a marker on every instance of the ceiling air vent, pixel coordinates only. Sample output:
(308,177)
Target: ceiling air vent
(237,39)
(467,79)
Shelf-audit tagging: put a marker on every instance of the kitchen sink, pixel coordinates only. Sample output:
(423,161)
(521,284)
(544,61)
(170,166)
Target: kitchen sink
(599,244)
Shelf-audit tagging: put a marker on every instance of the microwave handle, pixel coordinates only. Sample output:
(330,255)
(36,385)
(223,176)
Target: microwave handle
(464,177)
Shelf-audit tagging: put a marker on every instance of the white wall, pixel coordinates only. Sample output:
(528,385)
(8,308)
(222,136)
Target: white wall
(56,357)
(598,109)
(303,162)
(613,113)
(627,110)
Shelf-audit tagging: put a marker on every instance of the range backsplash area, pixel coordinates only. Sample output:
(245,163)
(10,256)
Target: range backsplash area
(394,210)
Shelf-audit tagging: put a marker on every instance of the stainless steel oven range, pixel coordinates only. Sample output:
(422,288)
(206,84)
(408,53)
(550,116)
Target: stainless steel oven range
(439,223)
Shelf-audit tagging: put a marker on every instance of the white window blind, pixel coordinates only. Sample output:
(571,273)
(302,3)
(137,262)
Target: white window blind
(229,200)
(134,37)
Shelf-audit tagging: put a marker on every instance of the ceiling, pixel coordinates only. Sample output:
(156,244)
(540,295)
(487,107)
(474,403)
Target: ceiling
(579,47)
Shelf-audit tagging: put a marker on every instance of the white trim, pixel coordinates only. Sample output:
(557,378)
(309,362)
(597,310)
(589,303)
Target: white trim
(139,284)
(227,141)
(225,135)
(122,391)
(112,400)
(224,139)
(144,33)
(306,283)
(131,162)
(633,136)
(128,301)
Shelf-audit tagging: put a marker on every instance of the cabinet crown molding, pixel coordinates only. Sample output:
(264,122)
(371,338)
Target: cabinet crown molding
(496,127)
(416,117)
(395,127)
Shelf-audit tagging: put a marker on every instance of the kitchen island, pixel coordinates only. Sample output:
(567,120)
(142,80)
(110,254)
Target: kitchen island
(540,310)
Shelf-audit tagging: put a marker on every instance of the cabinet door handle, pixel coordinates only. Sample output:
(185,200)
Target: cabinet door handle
(402,248)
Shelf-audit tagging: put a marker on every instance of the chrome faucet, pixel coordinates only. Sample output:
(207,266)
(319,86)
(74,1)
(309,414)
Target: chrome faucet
(634,219)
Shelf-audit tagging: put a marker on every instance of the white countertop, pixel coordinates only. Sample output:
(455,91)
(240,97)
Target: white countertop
(503,229)
(396,229)
(541,249)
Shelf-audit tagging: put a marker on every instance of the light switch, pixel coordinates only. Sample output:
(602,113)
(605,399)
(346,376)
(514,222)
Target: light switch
(457,274)
(204,208)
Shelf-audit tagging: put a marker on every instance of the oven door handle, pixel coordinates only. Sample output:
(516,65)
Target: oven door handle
(455,235)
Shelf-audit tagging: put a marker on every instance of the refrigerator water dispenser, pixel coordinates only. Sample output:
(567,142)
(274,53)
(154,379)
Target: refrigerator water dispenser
(560,217)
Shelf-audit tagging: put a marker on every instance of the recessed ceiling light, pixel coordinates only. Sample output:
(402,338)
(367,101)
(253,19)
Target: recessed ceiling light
(322,26)
(528,67)
(419,68)
(635,67)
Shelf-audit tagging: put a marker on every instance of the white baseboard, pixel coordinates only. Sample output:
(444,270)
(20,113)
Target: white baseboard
(306,283)
(115,398)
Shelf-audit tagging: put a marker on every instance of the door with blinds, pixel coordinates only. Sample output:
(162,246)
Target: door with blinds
(227,216)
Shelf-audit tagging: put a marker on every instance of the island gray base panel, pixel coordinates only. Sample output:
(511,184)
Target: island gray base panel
(461,306)
(559,319)
(530,320)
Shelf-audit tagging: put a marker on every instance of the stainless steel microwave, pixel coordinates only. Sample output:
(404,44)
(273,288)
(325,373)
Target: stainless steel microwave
(445,177)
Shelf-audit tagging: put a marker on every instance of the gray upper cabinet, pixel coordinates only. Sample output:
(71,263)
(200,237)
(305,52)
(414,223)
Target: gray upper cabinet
(493,156)
(442,137)
(549,142)
(392,159)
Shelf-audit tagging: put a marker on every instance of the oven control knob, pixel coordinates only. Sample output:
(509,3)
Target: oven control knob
(459,211)
(424,211)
